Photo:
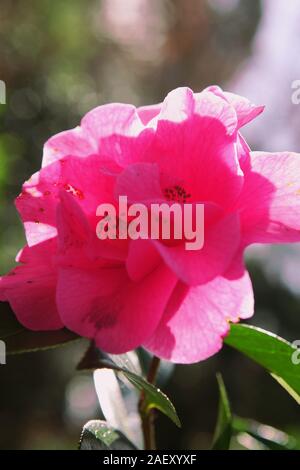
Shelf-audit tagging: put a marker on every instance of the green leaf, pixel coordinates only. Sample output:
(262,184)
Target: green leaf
(271,438)
(98,435)
(154,397)
(9,325)
(223,430)
(270,351)
(19,340)
(286,386)
(30,341)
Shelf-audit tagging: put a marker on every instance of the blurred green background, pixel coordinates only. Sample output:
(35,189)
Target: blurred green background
(60,59)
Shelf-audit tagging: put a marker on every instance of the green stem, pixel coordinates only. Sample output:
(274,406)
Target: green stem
(148,416)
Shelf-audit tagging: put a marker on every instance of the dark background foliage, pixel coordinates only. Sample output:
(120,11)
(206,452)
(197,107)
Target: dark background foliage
(58,60)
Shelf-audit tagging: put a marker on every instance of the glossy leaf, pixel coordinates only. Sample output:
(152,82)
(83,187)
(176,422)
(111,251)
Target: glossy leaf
(98,435)
(19,340)
(9,324)
(270,351)
(223,430)
(154,397)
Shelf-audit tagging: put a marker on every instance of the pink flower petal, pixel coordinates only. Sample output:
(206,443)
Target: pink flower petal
(245,110)
(73,228)
(221,242)
(118,132)
(147,113)
(269,204)
(83,179)
(196,319)
(140,182)
(141,250)
(104,304)
(30,288)
(77,240)
(195,143)
(73,142)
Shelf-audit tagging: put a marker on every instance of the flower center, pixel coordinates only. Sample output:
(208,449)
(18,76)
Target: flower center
(176,193)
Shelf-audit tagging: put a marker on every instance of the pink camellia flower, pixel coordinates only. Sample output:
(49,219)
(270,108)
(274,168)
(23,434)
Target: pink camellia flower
(129,293)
